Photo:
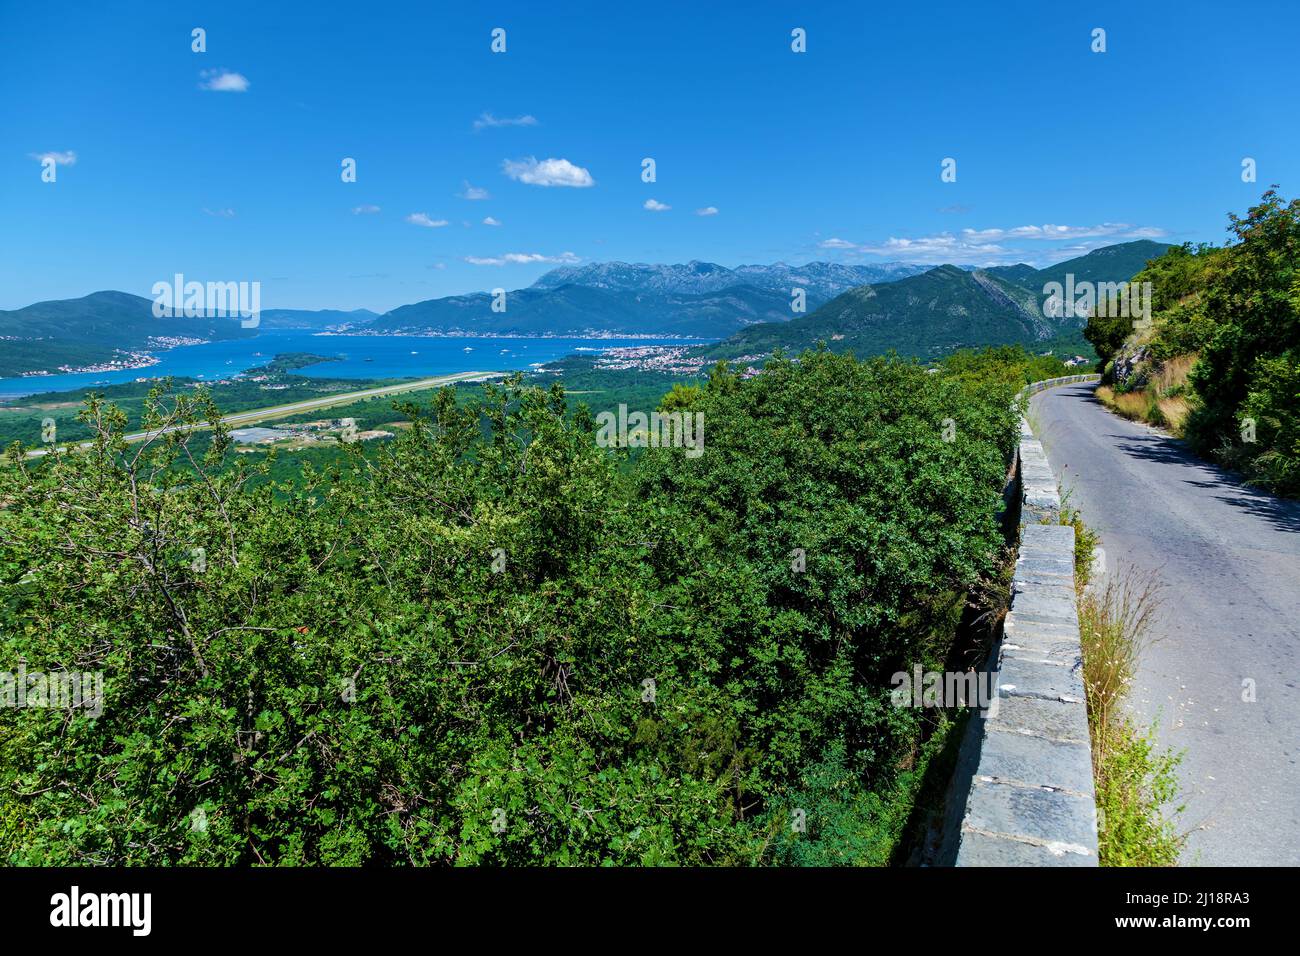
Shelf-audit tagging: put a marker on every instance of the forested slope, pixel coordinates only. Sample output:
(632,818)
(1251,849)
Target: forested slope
(487,642)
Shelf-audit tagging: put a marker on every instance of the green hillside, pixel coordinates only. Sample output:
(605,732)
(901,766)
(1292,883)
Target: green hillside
(576,309)
(933,313)
(92,329)
(944,309)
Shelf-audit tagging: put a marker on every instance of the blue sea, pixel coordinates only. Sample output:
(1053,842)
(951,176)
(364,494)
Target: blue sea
(360,356)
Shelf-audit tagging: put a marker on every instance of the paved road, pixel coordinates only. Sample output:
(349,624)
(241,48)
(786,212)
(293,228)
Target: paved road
(1230,560)
(312,404)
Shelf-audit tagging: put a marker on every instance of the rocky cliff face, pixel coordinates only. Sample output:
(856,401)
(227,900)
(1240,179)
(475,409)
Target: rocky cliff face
(1131,367)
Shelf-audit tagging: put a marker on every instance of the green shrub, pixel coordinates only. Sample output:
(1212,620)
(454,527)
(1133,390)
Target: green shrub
(485,642)
(1135,783)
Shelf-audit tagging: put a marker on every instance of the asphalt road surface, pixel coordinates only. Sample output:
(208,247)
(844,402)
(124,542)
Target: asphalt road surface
(1229,623)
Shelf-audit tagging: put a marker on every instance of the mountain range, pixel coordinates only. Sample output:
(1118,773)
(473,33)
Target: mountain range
(314,318)
(913,309)
(578,311)
(943,309)
(693,299)
(821,280)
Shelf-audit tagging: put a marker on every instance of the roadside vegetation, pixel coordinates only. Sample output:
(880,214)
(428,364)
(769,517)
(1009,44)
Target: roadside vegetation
(1219,364)
(1136,782)
(487,640)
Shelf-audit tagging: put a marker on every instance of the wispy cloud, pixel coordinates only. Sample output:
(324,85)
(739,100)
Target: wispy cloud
(522,258)
(226,213)
(488,121)
(67,158)
(654,205)
(223,81)
(490,221)
(473,192)
(422,219)
(547,172)
(1107,230)
(985,247)
(707,211)
(364,210)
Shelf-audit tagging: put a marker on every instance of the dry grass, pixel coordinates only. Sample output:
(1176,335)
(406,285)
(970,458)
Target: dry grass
(1134,780)
(1161,402)
(1173,373)
(1174,411)
(1131,405)
(1114,626)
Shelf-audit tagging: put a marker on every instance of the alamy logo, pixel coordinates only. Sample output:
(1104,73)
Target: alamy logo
(62,689)
(1114,300)
(946,689)
(657,430)
(211,300)
(103,909)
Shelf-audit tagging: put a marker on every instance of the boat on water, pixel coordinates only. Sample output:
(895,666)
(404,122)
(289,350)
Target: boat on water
(468,349)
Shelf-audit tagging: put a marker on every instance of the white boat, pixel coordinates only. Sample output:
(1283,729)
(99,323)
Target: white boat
(468,349)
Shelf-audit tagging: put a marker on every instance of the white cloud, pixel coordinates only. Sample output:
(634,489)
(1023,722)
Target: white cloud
(473,192)
(987,247)
(490,221)
(707,211)
(547,172)
(364,210)
(488,121)
(654,205)
(223,81)
(1116,230)
(422,219)
(68,158)
(522,258)
(226,213)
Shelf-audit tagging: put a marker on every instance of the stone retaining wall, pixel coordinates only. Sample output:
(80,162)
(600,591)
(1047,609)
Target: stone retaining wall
(1030,800)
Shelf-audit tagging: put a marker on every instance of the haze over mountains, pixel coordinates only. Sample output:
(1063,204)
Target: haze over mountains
(910,308)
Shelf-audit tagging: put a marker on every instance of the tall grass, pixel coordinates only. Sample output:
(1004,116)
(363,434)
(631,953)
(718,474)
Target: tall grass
(1134,780)
(1164,401)
(1114,627)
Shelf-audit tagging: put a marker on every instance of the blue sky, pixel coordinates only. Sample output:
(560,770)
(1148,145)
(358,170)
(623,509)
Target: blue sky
(831,154)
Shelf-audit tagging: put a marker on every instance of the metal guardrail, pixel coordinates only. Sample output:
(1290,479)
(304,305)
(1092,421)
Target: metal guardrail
(1035,387)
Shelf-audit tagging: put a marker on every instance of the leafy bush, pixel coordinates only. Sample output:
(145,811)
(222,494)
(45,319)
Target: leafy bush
(1235,312)
(484,642)
(1136,781)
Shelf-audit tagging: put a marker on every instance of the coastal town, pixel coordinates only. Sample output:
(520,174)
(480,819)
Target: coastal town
(668,359)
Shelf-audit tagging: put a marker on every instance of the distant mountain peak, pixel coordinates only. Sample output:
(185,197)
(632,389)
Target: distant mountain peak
(820,280)
(943,308)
